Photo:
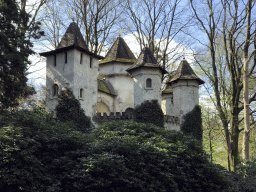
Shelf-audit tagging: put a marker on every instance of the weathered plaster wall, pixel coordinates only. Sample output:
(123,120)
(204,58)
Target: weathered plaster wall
(185,96)
(141,92)
(85,77)
(122,82)
(105,103)
(61,74)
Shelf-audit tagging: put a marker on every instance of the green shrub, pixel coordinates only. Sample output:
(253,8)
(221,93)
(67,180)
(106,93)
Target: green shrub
(39,153)
(192,124)
(69,109)
(30,141)
(128,156)
(149,112)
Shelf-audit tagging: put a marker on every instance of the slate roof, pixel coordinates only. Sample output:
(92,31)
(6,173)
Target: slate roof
(119,52)
(72,39)
(184,71)
(146,59)
(106,87)
(72,36)
(167,88)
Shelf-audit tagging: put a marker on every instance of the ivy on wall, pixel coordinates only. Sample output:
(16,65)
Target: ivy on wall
(192,124)
(149,112)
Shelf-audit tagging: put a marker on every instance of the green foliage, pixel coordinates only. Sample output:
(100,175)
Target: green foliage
(15,46)
(39,153)
(127,156)
(69,109)
(29,143)
(192,124)
(247,170)
(149,112)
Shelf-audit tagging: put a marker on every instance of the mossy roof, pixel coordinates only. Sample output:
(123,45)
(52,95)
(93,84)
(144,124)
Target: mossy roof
(185,72)
(105,86)
(119,52)
(146,59)
(167,89)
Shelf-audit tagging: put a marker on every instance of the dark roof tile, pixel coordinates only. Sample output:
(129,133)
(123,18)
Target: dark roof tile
(119,52)
(184,71)
(73,36)
(146,59)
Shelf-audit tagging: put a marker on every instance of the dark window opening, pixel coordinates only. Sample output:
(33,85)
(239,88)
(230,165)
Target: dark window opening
(54,61)
(90,62)
(81,58)
(55,90)
(81,93)
(172,100)
(148,83)
(66,57)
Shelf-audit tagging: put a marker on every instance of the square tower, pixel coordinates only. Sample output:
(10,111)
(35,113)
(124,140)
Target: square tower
(71,65)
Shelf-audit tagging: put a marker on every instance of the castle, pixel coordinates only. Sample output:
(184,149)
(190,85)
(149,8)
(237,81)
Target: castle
(115,84)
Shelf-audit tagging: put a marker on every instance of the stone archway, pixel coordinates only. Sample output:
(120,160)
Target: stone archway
(102,108)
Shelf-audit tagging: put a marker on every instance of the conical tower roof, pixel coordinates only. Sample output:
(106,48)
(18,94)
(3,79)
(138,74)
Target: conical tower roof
(146,59)
(185,72)
(119,52)
(73,36)
(72,39)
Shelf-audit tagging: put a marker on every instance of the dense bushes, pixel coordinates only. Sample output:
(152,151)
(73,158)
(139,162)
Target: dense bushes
(149,112)
(192,124)
(39,153)
(69,109)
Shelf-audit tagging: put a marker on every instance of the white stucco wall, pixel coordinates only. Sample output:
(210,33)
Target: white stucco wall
(185,96)
(74,76)
(61,74)
(122,83)
(141,92)
(108,100)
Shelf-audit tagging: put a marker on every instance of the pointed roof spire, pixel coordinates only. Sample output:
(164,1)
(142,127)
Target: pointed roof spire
(184,71)
(119,52)
(72,36)
(146,59)
(72,39)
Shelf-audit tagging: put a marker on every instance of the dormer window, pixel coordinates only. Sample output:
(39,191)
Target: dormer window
(66,57)
(148,83)
(81,93)
(55,90)
(81,58)
(90,62)
(54,60)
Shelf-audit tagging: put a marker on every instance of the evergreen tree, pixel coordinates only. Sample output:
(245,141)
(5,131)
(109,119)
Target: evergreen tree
(15,47)
(149,112)
(69,109)
(192,124)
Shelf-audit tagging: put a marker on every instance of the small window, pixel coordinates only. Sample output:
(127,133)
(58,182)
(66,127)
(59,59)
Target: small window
(172,99)
(81,93)
(66,57)
(81,58)
(148,83)
(54,61)
(90,62)
(55,90)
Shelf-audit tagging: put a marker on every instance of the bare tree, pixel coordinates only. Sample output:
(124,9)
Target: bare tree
(223,23)
(156,24)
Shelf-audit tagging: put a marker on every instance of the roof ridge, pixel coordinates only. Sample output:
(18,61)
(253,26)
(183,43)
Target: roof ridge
(146,59)
(72,36)
(185,71)
(120,52)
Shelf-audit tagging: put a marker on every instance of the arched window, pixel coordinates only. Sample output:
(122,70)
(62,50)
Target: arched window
(55,90)
(148,83)
(81,93)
